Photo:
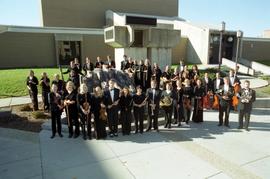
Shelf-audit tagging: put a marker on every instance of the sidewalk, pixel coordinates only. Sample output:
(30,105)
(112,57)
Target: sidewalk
(13,101)
(196,151)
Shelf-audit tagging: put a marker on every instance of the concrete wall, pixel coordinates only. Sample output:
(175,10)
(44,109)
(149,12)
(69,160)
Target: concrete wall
(179,51)
(198,42)
(91,13)
(255,49)
(19,50)
(93,46)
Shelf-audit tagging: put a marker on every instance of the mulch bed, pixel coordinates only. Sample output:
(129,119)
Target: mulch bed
(22,120)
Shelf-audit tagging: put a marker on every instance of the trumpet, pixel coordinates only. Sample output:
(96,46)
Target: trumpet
(153,107)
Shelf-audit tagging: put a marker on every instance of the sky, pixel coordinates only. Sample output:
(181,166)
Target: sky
(250,16)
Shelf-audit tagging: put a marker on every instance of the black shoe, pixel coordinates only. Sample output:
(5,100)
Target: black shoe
(219,125)
(227,125)
(187,122)
(157,130)
(111,135)
(84,137)
(136,131)
(52,136)
(166,125)
(60,135)
(70,135)
(147,130)
(179,125)
(115,134)
(169,126)
(75,136)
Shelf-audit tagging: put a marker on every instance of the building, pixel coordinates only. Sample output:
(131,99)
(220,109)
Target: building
(84,28)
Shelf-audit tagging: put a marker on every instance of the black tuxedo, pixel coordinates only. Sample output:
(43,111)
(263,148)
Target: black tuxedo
(215,82)
(153,98)
(88,67)
(208,86)
(113,111)
(245,107)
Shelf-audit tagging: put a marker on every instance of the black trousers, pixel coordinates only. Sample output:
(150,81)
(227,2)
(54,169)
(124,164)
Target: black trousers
(126,121)
(187,113)
(244,114)
(86,124)
(153,119)
(56,118)
(34,99)
(168,115)
(73,121)
(45,99)
(224,110)
(113,120)
(178,113)
(139,118)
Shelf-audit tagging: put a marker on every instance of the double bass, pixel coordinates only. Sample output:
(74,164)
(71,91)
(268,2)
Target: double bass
(235,100)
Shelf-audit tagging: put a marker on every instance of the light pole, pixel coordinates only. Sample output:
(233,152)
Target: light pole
(220,44)
(239,35)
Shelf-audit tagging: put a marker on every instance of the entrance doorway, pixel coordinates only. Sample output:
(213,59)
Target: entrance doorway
(68,50)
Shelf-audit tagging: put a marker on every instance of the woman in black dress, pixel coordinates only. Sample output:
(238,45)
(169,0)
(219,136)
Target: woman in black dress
(56,107)
(99,111)
(187,95)
(199,93)
(125,107)
(139,102)
(84,106)
(179,116)
(70,103)
(166,104)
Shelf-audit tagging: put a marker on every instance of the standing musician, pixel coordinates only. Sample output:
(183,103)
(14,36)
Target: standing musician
(247,97)
(153,94)
(32,83)
(194,71)
(175,77)
(138,70)
(100,114)
(199,93)
(74,72)
(56,106)
(124,63)
(207,83)
(139,102)
(60,84)
(156,74)
(125,104)
(147,74)
(235,83)
(84,107)
(187,95)
(45,87)
(88,66)
(166,103)
(178,107)
(110,62)
(71,109)
(217,84)
(77,65)
(225,95)
(166,76)
(112,97)
(99,63)
(187,73)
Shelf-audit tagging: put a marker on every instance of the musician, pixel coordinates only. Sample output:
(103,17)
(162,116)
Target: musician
(153,94)
(139,102)
(147,74)
(225,97)
(181,66)
(129,63)
(207,83)
(247,97)
(166,103)
(75,79)
(77,64)
(56,106)
(100,114)
(99,63)
(187,73)
(235,83)
(88,66)
(70,103)
(124,63)
(194,71)
(74,72)
(60,84)
(178,107)
(45,88)
(156,74)
(111,101)
(138,70)
(187,95)
(110,62)
(175,77)
(84,108)
(217,84)
(199,93)
(32,82)
(166,75)
(234,80)
(125,105)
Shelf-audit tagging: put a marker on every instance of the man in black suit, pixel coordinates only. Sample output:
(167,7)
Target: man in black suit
(88,66)
(153,94)
(247,97)
(225,97)
(217,82)
(124,63)
(112,97)
(32,83)
(234,80)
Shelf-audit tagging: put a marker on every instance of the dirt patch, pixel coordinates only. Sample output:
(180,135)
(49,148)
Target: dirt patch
(23,120)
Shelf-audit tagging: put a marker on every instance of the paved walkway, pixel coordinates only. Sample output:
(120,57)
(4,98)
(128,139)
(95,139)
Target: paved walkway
(13,101)
(196,151)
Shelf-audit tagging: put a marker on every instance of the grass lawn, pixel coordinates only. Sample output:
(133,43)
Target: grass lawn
(13,82)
